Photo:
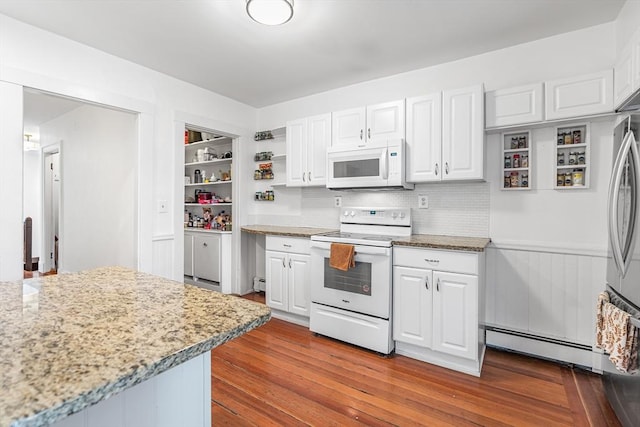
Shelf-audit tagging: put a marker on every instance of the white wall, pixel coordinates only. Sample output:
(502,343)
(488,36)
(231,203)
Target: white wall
(42,60)
(32,204)
(99,177)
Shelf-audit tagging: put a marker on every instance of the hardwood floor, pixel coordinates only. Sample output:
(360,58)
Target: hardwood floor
(282,375)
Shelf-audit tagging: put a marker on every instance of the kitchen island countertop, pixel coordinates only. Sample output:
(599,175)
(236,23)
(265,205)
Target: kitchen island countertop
(281,230)
(454,243)
(71,340)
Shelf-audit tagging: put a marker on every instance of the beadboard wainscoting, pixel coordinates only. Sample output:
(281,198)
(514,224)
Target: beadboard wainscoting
(164,255)
(541,300)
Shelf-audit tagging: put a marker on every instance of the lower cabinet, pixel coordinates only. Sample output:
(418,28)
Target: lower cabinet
(207,259)
(436,312)
(287,271)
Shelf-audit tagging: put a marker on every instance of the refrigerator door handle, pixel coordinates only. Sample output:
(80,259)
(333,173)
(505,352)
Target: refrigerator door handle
(614,189)
(627,250)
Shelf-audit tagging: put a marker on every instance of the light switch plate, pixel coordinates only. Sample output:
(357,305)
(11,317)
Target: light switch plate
(337,202)
(163,206)
(423,201)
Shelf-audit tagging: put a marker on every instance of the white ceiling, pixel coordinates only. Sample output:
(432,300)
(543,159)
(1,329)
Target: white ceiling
(327,44)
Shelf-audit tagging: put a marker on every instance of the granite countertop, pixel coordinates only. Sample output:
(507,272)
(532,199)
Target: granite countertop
(455,243)
(280,230)
(72,340)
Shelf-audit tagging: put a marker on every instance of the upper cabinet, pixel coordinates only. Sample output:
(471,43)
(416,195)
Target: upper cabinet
(463,133)
(359,126)
(627,70)
(579,96)
(307,143)
(445,136)
(514,106)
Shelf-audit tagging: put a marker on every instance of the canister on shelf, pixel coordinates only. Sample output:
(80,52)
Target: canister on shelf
(581,158)
(524,162)
(573,157)
(560,138)
(197,177)
(507,181)
(578,176)
(568,138)
(514,179)
(522,142)
(516,161)
(524,181)
(568,182)
(577,136)
(507,161)
(560,158)
(514,142)
(560,179)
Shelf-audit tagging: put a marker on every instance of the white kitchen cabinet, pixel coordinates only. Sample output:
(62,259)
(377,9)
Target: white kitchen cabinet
(359,126)
(307,143)
(206,257)
(188,255)
(579,96)
(287,278)
(455,314)
(437,297)
(424,138)
(445,136)
(514,106)
(463,133)
(626,73)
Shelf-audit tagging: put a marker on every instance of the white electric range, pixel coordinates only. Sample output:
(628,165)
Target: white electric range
(355,305)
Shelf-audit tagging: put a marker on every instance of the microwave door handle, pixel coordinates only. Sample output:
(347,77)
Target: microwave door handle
(614,189)
(384,158)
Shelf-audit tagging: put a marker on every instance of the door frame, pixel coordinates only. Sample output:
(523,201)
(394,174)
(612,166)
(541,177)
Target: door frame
(47,263)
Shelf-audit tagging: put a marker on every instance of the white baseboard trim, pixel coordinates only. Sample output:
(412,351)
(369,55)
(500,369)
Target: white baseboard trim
(543,349)
(466,366)
(289,317)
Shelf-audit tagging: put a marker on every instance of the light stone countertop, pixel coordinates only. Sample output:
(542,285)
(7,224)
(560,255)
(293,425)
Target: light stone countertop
(454,243)
(72,340)
(281,230)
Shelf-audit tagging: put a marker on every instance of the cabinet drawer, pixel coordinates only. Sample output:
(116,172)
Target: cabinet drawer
(288,244)
(458,262)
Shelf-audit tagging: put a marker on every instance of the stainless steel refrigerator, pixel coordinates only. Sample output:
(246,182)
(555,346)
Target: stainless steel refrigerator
(623,263)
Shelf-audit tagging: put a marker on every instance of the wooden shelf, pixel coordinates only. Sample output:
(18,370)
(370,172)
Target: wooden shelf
(208,183)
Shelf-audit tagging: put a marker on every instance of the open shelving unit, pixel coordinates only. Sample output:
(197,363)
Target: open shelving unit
(516,164)
(572,156)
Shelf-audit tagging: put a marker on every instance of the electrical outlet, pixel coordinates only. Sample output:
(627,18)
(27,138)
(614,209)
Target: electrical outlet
(337,202)
(423,201)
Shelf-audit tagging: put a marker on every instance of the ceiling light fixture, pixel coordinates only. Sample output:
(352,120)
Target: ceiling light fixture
(270,12)
(30,145)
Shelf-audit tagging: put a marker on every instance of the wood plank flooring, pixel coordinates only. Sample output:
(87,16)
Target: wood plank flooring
(282,375)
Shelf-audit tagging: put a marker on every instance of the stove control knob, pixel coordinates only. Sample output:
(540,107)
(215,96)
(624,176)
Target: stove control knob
(346,213)
(353,213)
(394,215)
(402,215)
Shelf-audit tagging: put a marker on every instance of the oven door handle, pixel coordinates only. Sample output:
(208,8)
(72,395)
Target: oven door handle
(360,250)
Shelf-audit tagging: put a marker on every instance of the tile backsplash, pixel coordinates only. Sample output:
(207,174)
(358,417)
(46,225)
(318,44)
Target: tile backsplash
(459,209)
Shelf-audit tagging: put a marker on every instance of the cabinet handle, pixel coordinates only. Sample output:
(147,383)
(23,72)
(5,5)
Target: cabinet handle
(303,180)
(438,285)
(284,265)
(309,176)
(369,133)
(204,244)
(286,246)
(436,169)
(426,283)
(446,168)
(432,261)
(360,134)
(289,262)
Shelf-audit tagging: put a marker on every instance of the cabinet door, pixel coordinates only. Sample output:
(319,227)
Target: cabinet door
(276,294)
(385,121)
(635,61)
(514,106)
(296,153)
(623,75)
(188,255)
(463,133)
(206,257)
(579,96)
(455,314)
(318,142)
(412,312)
(347,127)
(299,276)
(424,138)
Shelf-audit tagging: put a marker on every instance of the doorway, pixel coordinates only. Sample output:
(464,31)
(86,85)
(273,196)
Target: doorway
(51,209)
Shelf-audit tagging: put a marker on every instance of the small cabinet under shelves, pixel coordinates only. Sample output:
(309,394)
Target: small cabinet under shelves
(516,163)
(572,157)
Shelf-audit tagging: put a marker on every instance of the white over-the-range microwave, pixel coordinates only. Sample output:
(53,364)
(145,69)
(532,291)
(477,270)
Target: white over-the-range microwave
(378,165)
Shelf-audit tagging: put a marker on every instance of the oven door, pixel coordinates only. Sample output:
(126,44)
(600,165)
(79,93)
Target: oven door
(364,289)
